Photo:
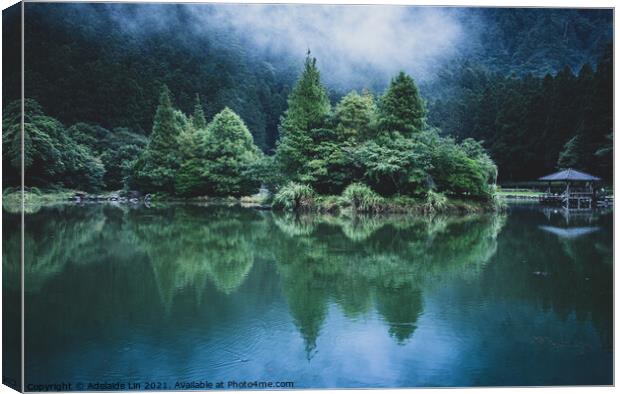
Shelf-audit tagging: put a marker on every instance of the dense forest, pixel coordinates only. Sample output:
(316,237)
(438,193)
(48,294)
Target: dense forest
(534,86)
(533,125)
(364,149)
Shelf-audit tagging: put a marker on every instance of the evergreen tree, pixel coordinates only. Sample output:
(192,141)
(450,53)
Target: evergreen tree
(231,156)
(122,148)
(401,108)
(190,180)
(308,108)
(573,153)
(198,118)
(156,168)
(356,116)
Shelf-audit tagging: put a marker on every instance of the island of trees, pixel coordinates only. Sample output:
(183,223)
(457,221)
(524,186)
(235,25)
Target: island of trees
(366,153)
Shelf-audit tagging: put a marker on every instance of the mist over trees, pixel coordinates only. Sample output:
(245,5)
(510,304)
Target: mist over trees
(533,84)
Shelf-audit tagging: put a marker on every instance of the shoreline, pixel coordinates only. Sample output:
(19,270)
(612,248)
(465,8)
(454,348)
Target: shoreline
(322,204)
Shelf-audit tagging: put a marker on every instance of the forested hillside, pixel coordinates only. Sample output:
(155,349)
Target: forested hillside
(520,41)
(81,65)
(533,125)
(534,84)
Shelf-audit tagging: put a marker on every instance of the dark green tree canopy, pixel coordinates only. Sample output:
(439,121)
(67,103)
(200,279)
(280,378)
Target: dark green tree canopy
(155,169)
(198,118)
(308,108)
(308,103)
(50,155)
(401,108)
(356,116)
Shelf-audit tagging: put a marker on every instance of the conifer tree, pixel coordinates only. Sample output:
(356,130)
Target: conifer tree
(401,108)
(308,108)
(356,116)
(156,168)
(198,118)
(230,156)
(573,153)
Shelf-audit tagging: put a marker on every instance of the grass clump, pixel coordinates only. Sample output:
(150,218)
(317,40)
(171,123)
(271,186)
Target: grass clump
(435,202)
(362,198)
(295,197)
(498,201)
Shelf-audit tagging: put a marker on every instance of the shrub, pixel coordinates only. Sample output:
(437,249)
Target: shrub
(362,198)
(294,197)
(498,202)
(435,202)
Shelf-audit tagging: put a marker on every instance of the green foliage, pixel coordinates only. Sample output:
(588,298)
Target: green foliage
(308,104)
(230,156)
(531,125)
(156,168)
(92,136)
(435,202)
(308,108)
(356,116)
(331,167)
(457,169)
(572,154)
(401,108)
(50,155)
(198,118)
(294,197)
(117,149)
(396,165)
(362,198)
(404,158)
(219,160)
(122,148)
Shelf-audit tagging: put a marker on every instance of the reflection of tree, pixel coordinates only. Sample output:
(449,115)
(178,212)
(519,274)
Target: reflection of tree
(382,260)
(11,299)
(401,307)
(358,263)
(188,245)
(52,240)
(111,264)
(11,251)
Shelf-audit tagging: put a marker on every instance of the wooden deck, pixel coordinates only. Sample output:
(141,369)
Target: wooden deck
(571,200)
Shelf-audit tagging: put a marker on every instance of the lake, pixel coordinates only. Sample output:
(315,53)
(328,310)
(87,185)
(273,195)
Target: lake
(188,294)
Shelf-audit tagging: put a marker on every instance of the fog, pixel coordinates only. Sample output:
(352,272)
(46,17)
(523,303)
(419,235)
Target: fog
(355,45)
(351,43)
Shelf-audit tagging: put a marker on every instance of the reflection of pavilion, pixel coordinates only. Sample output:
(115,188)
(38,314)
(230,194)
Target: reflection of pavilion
(569,224)
(571,216)
(569,233)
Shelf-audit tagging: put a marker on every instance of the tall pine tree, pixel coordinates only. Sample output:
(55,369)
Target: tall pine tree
(198,118)
(356,116)
(308,108)
(401,108)
(156,168)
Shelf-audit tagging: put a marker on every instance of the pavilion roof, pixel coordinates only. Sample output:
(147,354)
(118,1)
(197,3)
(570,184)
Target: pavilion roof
(569,175)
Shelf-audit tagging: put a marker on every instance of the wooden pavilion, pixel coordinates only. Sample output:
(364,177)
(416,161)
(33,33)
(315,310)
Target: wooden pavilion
(577,189)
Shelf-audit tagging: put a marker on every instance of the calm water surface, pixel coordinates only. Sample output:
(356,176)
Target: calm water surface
(190,293)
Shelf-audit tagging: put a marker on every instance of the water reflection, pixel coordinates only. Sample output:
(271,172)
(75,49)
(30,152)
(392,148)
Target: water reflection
(572,276)
(180,277)
(382,261)
(11,302)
